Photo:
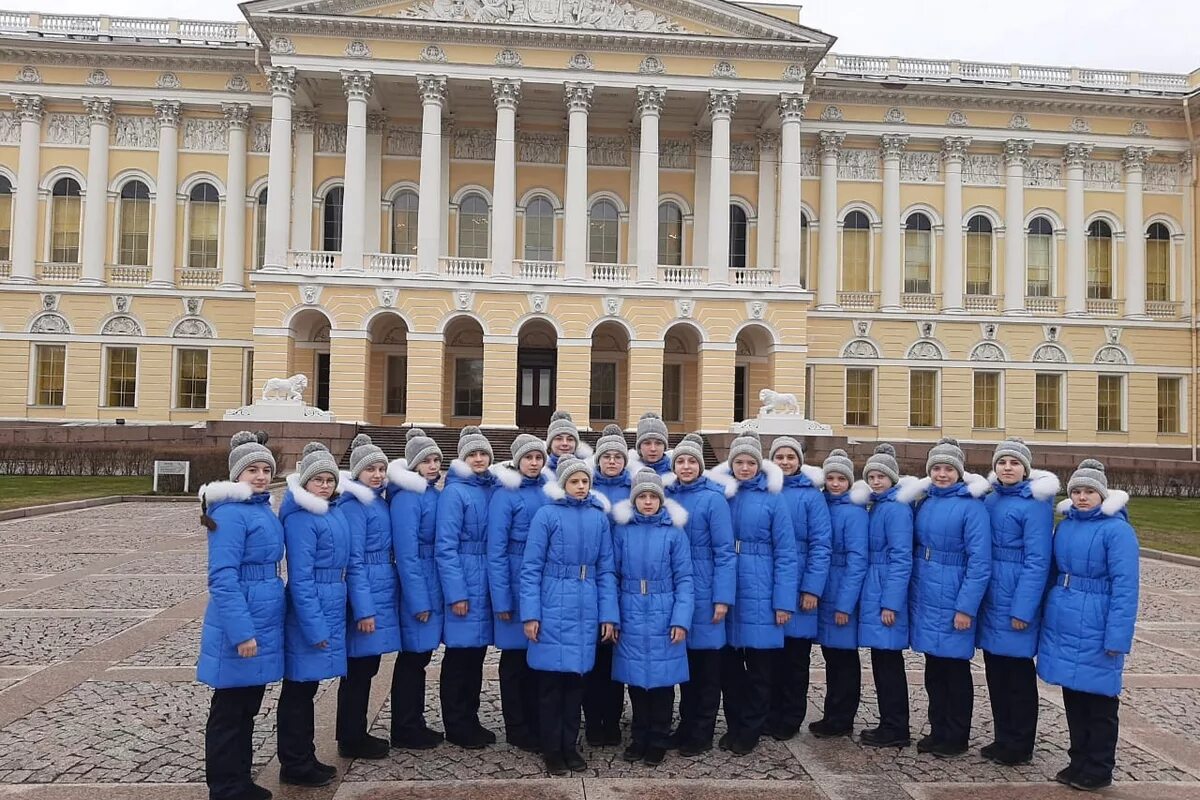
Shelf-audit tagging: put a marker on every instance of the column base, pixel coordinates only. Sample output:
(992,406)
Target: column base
(828,307)
(273,268)
(1079,312)
(1016,312)
(230,287)
(20,279)
(91,282)
(892,309)
(1139,317)
(160,285)
(954,311)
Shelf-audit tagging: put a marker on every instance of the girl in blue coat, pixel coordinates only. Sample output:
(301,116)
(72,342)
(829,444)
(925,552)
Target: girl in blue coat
(654,569)
(241,645)
(611,477)
(568,600)
(883,604)
(314,635)
(802,485)
(562,439)
(952,562)
(513,505)
(1087,628)
(413,501)
(374,620)
(714,576)
(837,624)
(461,548)
(765,545)
(1022,514)
(650,448)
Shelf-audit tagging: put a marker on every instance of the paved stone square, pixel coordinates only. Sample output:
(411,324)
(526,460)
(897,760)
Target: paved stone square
(99,623)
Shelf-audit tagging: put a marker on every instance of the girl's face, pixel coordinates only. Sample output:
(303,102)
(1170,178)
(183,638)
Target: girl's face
(787,460)
(258,475)
(612,463)
(651,450)
(563,444)
(1085,498)
(532,463)
(373,476)
(836,483)
(430,467)
(744,467)
(648,504)
(878,482)
(578,485)
(478,461)
(322,485)
(687,468)
(1010,471)
(943,475)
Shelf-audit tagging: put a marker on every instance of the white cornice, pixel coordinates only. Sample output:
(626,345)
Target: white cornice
(179,59)
(124,94)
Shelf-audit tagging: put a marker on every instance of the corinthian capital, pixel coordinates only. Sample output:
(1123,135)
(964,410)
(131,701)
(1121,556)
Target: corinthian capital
(892,145)
(432,89)
(791,106)
(99,110)
(579,96)
(237,115)
(650,100)
(376,123)
(1076,154)
(954,148)
(282,80)
(168,113)
(722,103)
(506,92)
(29,107)
(356,84)
(1136,157)
(304,119)
(768,141)
(831,143)
(1016,151)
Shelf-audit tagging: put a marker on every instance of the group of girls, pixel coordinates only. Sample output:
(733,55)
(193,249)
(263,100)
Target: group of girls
(639,570)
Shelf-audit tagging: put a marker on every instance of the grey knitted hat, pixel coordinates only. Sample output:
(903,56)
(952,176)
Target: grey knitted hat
(883,460)
(246,448)
(946,451)
(418,447)
(651,426)
(1090,474)
(612,439)
(839,461)
(746,444)
(647,480)
(1015,447)
(568,466)
(470,440)
(561,422)
(318,460)
(363,453)
(525,444)
(312,447)
(691,445)
(787,441)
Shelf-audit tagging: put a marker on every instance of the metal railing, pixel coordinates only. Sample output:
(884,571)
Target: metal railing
(858,301)
(105,28)
(128,275)
(315,260)
(390,263)
(531,270)
(54,271)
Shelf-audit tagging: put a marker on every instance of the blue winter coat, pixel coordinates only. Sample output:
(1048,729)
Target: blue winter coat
(1093,599)
(654,570)
(510,514)
(461,549)
(709,532)
(847,568)
(1022,530)
(245,593)
(318,552)
(371,574)
(889,568)
(568,583)
(952,561)
(582,450)
(636,464)
(614,489)
(810,522)
(413,503)
(766,560)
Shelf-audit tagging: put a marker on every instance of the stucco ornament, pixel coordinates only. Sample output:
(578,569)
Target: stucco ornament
(285,388)
(860,348)
(50,322)
(122,326)
(774,402)
(590,14)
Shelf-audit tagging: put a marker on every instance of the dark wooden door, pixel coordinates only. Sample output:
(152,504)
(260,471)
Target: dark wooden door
(535,387)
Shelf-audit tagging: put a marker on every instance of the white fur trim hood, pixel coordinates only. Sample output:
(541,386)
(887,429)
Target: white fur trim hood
(555,492)
(1043,485)
(1115,501)
(225,491)
(977,485)
(860,493)
(304,498)
(907,486)
(361,492)
(815,474)
(623,513)
(769,468)
(508,477)
(399,474)
(723,479)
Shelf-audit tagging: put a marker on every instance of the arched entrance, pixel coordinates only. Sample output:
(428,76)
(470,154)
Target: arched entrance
(681,377)
(310,355)
(753,371)
(537,363)
(609,386)
(387,370)
(462,377)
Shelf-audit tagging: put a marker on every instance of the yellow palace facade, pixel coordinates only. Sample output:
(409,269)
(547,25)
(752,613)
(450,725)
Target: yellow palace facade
(449,212)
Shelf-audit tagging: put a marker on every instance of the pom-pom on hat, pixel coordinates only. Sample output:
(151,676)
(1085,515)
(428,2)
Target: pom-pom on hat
(883,460)
(418,447)
(523,445)
(1015,447)
(746,444)
(651,426)
(946,451)
(364,453)
(691,445)
(839,461)
(611,439)
(471,440)
(787,441)
(647,480)
(568,466)
(318,460)
(246,448)
(561,422)
(1090,473)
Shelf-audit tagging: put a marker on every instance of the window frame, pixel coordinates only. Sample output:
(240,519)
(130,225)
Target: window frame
(929,252)
(805,238)
(999,399)
(55,216)
(675,415)
(934,416)
(191,240)
(872,375)
(669,259)
(121,211)
(487,220)
(459,362)
(739,260)
(1093,288)
(1050,256)
(412,225)
(106,376)
(1122,389)
(1179,397)
(616,232)
(868,238)
(1060,423)
(1168,247)
(389,367)
(260,228)
(177,378)
(596,406)
(337,221)
(6,198)
(34,398)
(990,250)
(539,248)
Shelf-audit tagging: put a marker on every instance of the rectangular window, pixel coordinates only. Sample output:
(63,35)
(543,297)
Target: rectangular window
(468,387)
(673,392)
(204,234)
(397,385)
(856,260)
(860,390)
(1099,268)
(1047,402)
(739,392)
(1158,269)
(986,400)
(122,377)
(248,379)
(979,263)
(1037,265)
(1168,405)
(603,404)
(64,233)
(6,199)
(922,398)
(192,379)
(135,232)
(50,367)
(1110,403)
(917,259)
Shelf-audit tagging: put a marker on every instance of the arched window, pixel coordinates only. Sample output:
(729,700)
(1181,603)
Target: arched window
(856,252)
(134,240)
(5,217)
(979,255)
(1158,262)
(918,254)
(1039,257)
(204,212)
(331,219)
(804,250)
(539,230)
(473,228)
(603,226)
(260,229)
(404,222)
(66,205)
(739,230)
(1099,261)
(670,235)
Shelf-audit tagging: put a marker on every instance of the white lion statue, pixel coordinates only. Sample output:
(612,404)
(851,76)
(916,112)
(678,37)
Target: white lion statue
(285,388)
(774,402)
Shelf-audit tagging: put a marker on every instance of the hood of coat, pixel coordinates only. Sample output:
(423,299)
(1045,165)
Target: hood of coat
(621,479)
(671,513)
(218,492)
(459,472)
(892,494)
(634,463)
(363,494)
(1113,505)
(1041,485)
(400,475)
(582,449)
(723,482)
(860,493)
(808,475)
(297,498)
(558,494)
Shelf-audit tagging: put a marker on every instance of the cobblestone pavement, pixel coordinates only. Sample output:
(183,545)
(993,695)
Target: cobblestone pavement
(99,625)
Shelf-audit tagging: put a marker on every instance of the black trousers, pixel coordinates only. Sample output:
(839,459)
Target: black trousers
(843,685)
(746,688)
(1093,724)
(700,697)
(603,698)
(462,681)
(228,743)
(651,715)
(408,694)
(1012,691)
(951,699)
(789,685)
(891,689)
(518,695)
(297,726)
(354,694)
(560,698)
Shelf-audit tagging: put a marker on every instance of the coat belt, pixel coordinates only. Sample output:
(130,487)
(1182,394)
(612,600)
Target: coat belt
(379,557)
(645,586)
(1083,583)
(329,574)
(753,548)
(940,556)
(473,548)
(1015,554)
(265,571)
(580,571)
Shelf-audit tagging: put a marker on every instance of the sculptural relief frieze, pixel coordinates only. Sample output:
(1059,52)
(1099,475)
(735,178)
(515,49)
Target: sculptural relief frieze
(982,169)
(135,132)
(10,127)
(919,167)
(474,143)
(742,156)
(69,129)
(608,151)
(858,164)
(1104,175)
(260,137)
(1161,177)
(540,148)
(402,141)
(209,134)
(331,137)
(675,154)
(591,14)
(1043,172)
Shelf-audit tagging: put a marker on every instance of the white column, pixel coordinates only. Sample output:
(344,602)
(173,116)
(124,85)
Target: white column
(233,249)
(721,105)
(575,222)
(444,212)
(304,122)
(357,86)
(650,105)
(1187,270)
(891,146)
(702,174)
(954,150)
(1016,154)
(162,269)
(95,201)
(827,267)
(635,161)
(25,209)
(768,189)
(432,89)
(507,94)
(1134,162)
(373,229)
(791,111)
(279,169)
(1075,157)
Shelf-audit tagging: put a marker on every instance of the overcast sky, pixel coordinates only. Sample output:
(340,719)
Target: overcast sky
(1151,35)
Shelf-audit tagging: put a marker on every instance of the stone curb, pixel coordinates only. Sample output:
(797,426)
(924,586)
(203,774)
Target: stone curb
(90,502)
(1175,558)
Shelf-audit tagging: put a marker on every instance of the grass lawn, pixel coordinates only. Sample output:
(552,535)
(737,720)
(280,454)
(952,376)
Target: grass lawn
(1167,524)
(17,491)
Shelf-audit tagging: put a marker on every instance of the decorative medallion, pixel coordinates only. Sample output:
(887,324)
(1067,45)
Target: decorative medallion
(310,294)
(1018,122)
(508,58)
(192,305)
(1050,354)
(358,49)
(1081,125)
(957,119)
(121,303)
(756,309)
(1110,354)
(50,322)
(794,73)
(987,351)
(832,114)
(98,77)
(580,61)
(432,54)
(50,302)
(538,302)
(28,74)
(651,65)
(464,300)
(281,45)
(1139,128)
(861,348)
(168,80)
(612,305)
(724,69)
(121,325)
(238,83)
(895,115)
(925,351)
(684,308)
(387,297)
(192,328)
